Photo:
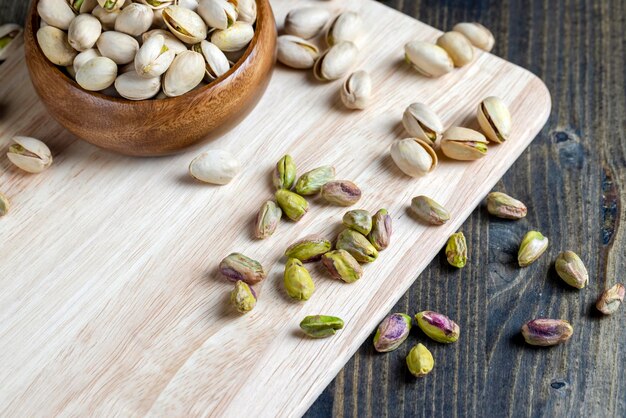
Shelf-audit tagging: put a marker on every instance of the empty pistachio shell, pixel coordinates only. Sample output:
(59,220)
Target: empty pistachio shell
(429,211)
(546,332)
(216,62)
(458,47)
(611,299)
(342,266)
(293,205)
(157,4)
(420,361)
(247,10)
(214,166)
(341,192)
(107,19)
(456,250)
(297,280)
(218,14)
(171,42)
(477,34)
(267,220)
(428,59)
(29,154)
(243,297)
(357,245)
(296,52)
(335,62)
(571,269)
(309,248)
(237,266)
(494,119)
(8,33)
(392,332)
(55,46)
(83,6)
(533,245)
(185,73)
(463,144)
(356,91)
(234,38)
(504,206)
(311,182)
(380,235)
(346,27)
(132,86)
(111,5)
(135,19)
(82,58)
(321,326)
(360,220)
(438,327)
(306,22)
(5,205)
(414,156)
(97,74)
(84,31)
(153,58)
(185,24)
(57,13)
(119,47)
(420,121)
(284,174)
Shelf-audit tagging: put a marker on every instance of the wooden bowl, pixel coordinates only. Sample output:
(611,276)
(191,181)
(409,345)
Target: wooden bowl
(155,127)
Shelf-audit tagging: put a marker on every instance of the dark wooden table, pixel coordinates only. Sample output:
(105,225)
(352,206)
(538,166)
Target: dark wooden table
(573,179)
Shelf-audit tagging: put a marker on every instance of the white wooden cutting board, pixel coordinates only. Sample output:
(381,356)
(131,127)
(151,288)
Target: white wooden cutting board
(110,303)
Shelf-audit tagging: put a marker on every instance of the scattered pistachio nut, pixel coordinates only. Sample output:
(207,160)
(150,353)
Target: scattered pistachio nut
(234,38)
(429,211)
(308,249)
(185,24)
(321,326)
(428,59)
(56,13)
(135,19)
(184,74)
(357,245)
(477,34)
(335,62)
(380,235)
(5,205)
(29,154)
(414,156)
(463,144)
(243,297)
(267,220)
(547,332)
(342,266)
(438,327)
(346,27)
(237,266)
(456,250)
(55,46)
(504,206)
(421,122)
(341,192)
(306,22)
(293,205)
(118,46)
(132,86)
(533,245)
(311,182)
(392,332)
(360,220)
(284,174)
(458,47)
(297,280)
(494,119)
(356,91)
(611,299)
(420,361)
(218,14)
(215,167)
(296,52)
(8,33)
(216,62)
(571,269)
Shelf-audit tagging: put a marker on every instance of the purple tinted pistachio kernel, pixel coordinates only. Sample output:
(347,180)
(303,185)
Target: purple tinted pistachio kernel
(438,327)
(392,332)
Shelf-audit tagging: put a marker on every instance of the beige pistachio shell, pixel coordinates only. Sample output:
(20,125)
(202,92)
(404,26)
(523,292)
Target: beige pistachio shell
(188,4)
(420,121)
(107,19)
(171,42)
(356,91)
(29,154)
(463,144)
(296,52)
(97,74)
(428,59)
(247,10)
(134,19)
(57,13)
(218,14)
(458,47)
(55,46)
(346,27)
(235,38)
(153,58)
(335,62)
(132,86)
(82,58)
(119,47)
(185,73)
(185,24)
(157,4)
(414,156)
(478,35)
(306,22)
(216,62)
(84,31)
(494,119)
(215,167)
(81,6)
(111,5)
(8,33)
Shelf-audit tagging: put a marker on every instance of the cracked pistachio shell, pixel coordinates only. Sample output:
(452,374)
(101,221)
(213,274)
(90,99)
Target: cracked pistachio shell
(296,52)
(29,154)
(321,326)
(84,31)
(297,280)
(346,27)
(243,298)
(392,332)
(55,46)
(153,58)
(293,205)
(438,327)
(428,59)
(184,74)
(456,250)
(8,33)
(132,86)
(247,10)
(360,220)
(420,361)
(157,4)
(477,34)
(380,235)
(215,167)
(216,62)
(335,62)
(611,299)
(463,144)
(57,13)
(494,119)
(5,205)
(284,174)
(97,74)
(356,91)
(306,22)
(546,332)
(414,156)
(342,266)
(135,19)
(341,192)
(420,121)
(308,249)
(504,206)
(171,42)
(267,220)
(533,245)
(237,266)
(458,47)
(82,58)
(311,182)
(218,14)
(111,5)
(234,38)
(357,245)
(185,24)
(571,269)
(119,47)
(83,6)
(429,211)
(107,19)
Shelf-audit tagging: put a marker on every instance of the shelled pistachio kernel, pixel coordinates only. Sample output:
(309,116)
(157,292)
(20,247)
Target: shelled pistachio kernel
(429,211)
(284,174)
(311,182)
(456,250)
(463,144)
(611,299)
(494,119)
(309,248)
(547,332)
(380,235)
(293,205)
(392,332)
(420,361)
(420,121)
(297,280)
(342,266)
(321,326)
(504,206)
(237,266)
(571,269)
(438,327)
(5,205)
(341,192)
(357,245)
(533,245)
(413,156)
(243,297)
(360,220)
(267,220)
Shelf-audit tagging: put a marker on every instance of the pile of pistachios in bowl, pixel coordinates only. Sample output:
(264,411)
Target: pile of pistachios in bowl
(144,49)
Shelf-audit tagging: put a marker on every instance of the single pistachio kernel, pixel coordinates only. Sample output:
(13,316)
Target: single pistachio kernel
(504,206)
(360,220)
(243,297)
(392,332)
(267,220)
(571,269)
(611,299)
(438,327)
(357,245)
(311,182)
(456,250)
(342,266)
(321,326)
(341,192)
(4,205)
(429,211)
(297,280)
(546,332)
(420,361)
(532,247)
(380,235)
(293,205)
(237,266)
(285,173)
(309,248)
